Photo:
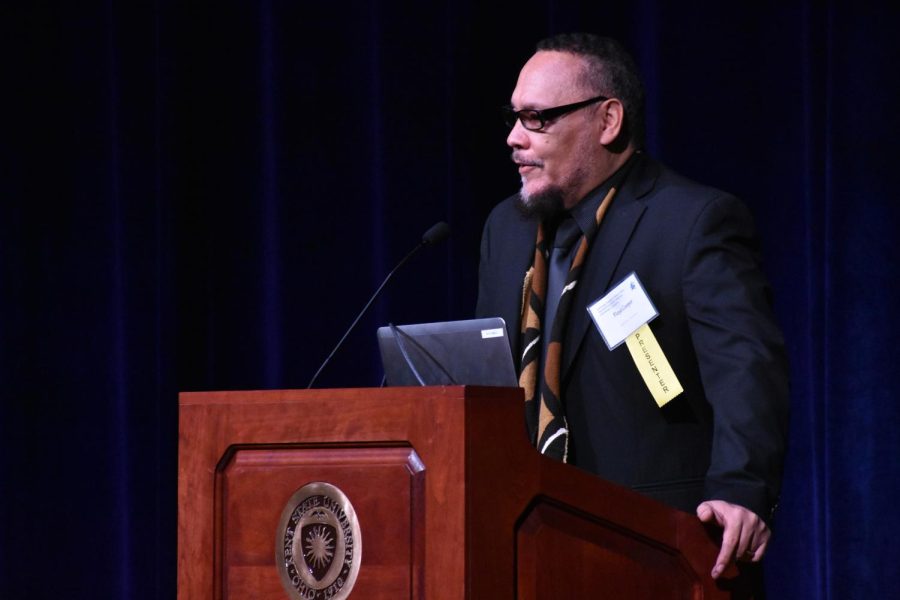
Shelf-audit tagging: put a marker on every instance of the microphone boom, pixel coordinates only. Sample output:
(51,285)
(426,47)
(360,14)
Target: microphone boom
(436,233)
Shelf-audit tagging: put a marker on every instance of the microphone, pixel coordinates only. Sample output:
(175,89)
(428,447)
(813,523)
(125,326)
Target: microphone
(435,234)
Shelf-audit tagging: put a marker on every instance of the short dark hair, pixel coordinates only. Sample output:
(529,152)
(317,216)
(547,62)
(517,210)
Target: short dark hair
(611,71)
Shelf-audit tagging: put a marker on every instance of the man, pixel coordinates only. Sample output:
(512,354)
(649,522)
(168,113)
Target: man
(592,210)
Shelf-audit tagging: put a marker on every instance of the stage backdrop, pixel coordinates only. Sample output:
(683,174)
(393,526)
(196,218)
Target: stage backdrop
(201,195)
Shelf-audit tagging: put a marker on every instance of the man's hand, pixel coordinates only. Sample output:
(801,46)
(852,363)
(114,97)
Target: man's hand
(744,537)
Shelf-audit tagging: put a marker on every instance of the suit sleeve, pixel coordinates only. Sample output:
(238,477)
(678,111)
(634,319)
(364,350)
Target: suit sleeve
(741,357)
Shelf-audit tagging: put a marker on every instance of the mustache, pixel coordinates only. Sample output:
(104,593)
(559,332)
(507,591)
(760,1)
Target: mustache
(519,159)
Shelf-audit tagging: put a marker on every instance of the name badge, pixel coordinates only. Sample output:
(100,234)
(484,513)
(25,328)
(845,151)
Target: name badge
(623,314)
(622,311)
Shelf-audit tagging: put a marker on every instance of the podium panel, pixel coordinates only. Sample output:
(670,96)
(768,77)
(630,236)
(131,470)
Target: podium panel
(384,484)
(566,555)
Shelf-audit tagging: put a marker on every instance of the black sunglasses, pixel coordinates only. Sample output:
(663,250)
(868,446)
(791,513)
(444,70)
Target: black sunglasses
(535,120)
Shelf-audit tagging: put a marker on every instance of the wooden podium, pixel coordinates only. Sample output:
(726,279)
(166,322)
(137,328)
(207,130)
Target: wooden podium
(451,500)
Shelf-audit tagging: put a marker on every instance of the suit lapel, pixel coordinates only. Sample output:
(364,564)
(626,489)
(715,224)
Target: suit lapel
(606,252)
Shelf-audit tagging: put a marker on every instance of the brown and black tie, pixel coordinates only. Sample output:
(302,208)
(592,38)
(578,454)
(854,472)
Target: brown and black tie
(544,408)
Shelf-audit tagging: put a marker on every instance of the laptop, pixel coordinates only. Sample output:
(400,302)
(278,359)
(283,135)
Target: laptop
(472,352)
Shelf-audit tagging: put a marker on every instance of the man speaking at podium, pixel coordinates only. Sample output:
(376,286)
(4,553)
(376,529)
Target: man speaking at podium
(648,350)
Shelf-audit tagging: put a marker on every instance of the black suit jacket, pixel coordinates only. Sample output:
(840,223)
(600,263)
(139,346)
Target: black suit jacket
(694,250)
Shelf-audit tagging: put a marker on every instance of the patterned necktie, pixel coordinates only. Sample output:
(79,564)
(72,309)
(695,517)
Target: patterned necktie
(560,261)
(544,413)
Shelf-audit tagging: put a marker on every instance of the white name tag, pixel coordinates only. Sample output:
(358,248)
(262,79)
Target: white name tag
(491,333)
(622,311)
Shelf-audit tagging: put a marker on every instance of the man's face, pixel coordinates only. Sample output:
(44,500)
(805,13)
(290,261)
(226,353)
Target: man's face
(560,162)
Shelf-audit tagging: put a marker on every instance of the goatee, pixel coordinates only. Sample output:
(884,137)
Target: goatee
(546,205)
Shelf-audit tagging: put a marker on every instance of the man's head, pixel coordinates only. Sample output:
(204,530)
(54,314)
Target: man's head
(573,152)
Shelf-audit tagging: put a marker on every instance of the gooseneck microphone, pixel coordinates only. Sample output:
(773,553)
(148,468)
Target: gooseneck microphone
(435,234)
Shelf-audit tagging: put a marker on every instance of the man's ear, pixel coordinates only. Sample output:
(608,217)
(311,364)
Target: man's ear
(612,115)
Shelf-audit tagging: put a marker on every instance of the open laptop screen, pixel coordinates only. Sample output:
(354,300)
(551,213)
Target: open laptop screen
(473,352)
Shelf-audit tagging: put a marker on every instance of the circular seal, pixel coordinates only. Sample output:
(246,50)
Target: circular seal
(318,546)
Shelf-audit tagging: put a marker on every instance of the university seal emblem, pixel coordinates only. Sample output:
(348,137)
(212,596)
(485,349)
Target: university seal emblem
(318,546)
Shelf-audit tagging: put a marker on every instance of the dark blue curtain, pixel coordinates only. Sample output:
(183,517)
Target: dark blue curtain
(201,195)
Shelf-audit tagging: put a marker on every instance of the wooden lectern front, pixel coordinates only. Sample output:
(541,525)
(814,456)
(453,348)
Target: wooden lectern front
(450,499)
